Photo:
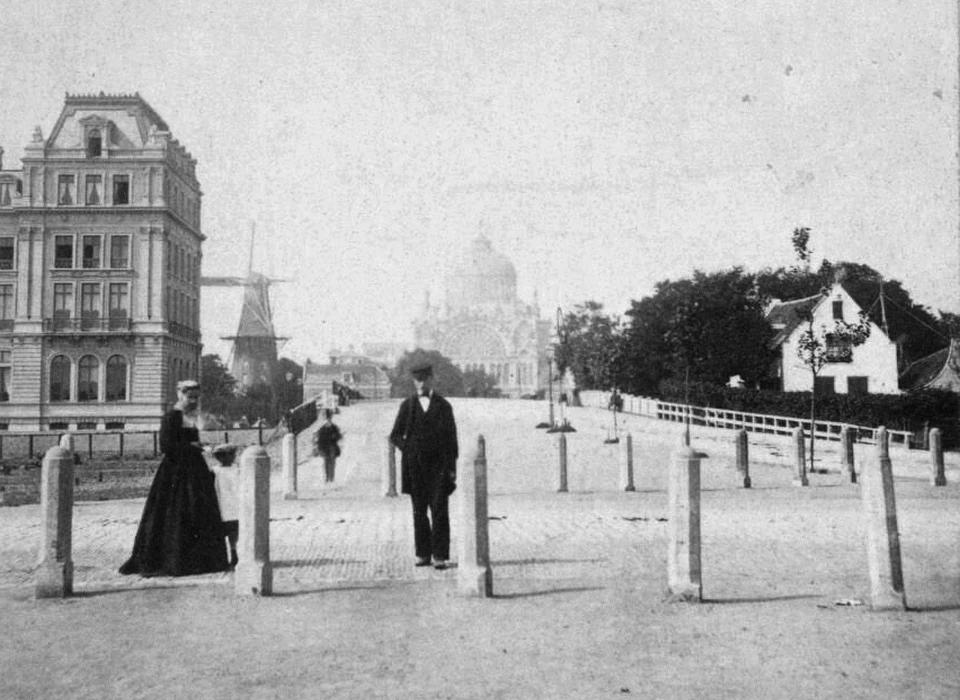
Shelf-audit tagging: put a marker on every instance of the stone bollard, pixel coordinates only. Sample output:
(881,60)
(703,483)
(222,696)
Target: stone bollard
(846,453)
(938,477)
(883,537)
(288,454)
(474,576)
(800,450)
(562,442)
(254,574)
(743,457)
(390,471)
(626,463)
(683,501)
(54,577)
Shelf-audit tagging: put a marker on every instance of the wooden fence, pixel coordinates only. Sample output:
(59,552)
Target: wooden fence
(736,420)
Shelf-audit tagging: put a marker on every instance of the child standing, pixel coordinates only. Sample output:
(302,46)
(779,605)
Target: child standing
(227,477)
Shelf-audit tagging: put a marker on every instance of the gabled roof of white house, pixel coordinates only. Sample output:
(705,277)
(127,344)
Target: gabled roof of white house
(785,316)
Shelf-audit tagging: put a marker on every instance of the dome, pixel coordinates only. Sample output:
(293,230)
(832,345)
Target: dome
(481,276)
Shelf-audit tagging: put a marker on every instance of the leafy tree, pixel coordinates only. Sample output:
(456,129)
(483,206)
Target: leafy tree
(816,348)
(589,346)
(288,385)
(709,327)
(447,378)
(478,383)
(218,387)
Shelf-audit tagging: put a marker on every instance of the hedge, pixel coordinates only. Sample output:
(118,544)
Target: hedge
(915,411)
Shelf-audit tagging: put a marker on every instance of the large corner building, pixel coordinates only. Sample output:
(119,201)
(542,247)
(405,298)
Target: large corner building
(100,250)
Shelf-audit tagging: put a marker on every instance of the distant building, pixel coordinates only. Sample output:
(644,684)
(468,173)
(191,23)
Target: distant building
(867,368)
(356,373)
(100,250)
(385,354)
(484,325)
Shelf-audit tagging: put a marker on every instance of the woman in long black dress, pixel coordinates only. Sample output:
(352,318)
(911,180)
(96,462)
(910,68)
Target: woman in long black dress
(180,532)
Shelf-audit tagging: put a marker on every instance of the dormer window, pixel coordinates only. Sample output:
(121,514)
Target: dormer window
(94,144)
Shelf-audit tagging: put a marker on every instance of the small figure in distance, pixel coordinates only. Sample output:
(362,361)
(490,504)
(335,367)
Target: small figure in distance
(326,443)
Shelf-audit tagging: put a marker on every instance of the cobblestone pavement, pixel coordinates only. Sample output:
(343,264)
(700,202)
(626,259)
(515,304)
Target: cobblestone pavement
(349,532)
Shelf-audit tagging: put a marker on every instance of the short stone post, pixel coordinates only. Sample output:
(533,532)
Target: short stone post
(800,450)
(288,453)
(474,576)
(254,573)
(683,517)
(626,463)
(846,453)
(743,457)
(938,477)
(390,471)
(54,578)
(562,442)
(883,537)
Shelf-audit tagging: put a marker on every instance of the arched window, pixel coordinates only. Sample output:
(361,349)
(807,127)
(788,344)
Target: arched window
(117,378)
(88,371)
(94,144)
(60,378)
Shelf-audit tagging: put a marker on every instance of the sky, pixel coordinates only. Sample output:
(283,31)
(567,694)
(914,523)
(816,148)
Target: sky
(603,146)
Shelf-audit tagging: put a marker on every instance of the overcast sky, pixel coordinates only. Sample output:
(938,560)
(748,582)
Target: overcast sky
(607,145)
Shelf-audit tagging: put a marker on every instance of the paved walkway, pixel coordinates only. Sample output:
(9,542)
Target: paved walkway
(578,608)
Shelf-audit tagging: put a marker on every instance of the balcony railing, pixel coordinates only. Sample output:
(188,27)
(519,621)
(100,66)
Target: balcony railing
(88,325)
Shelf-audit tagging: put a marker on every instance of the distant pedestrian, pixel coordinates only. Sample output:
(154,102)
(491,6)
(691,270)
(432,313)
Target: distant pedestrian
(426,433)
(180,531)
(327,445)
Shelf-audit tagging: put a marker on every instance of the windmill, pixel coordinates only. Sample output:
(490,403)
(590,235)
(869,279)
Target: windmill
(253,358)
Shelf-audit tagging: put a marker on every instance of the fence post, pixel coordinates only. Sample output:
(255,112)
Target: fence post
(883,537)
(288,455)
(474,576)
(683,501)
(938,476)
(54,577)
(626,463)
(90,446)
(254,573)
(800,451)
(121,444)
(847,454)
(390,471)
(743,457)
(156,451)
(562,442)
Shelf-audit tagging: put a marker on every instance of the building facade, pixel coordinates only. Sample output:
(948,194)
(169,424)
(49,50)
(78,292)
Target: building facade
(347,369)
(484,325)
(100,253)
(870,368)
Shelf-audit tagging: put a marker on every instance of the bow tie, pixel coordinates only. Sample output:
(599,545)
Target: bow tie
(425,394)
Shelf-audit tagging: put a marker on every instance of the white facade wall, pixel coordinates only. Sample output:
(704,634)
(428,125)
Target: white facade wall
(876,359)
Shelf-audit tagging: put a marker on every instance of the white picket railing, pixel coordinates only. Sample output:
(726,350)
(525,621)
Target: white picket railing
(735,420)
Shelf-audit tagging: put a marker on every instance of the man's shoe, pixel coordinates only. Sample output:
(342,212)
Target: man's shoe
(440,564)
(423,561)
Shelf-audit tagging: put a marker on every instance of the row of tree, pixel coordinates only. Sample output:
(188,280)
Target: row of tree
(712,326)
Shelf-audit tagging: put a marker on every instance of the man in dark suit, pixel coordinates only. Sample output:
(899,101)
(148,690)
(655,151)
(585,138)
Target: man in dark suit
(426,433)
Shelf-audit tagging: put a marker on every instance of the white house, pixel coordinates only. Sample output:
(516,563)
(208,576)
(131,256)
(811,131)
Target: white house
(867,368)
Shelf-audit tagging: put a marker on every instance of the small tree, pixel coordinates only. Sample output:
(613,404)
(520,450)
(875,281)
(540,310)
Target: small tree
(816,348)
(479,384)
